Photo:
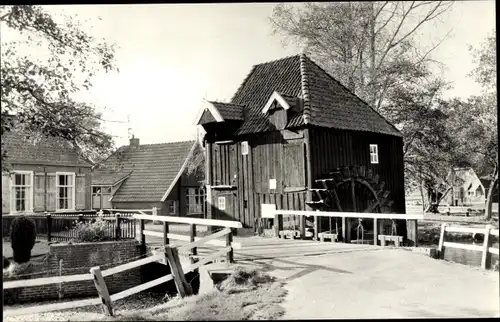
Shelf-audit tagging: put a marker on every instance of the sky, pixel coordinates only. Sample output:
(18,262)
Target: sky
(171,57)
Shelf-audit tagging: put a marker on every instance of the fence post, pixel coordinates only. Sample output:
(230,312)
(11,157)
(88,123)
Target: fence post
(80,218)
(441,239)
(165,234)
(183,287)
(49,227)
(102,290)
(375,231)
(192,235)
(118,229)
(229,241)
(412,232)
(486,246)
(142,238)
(278,225)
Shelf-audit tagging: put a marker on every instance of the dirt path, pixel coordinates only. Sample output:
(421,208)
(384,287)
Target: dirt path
(383,284)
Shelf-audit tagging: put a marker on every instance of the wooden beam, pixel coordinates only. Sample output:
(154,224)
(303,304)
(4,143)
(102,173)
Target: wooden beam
(46,281)
(463,246)
(141,287)
(197,221)
(102,290)
(192,236)
(183,287)
(308,155)
(203,240)
(134,264)
(347,214)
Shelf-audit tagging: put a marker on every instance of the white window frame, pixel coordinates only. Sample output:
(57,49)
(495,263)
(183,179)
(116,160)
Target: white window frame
(221,203)
(244,148)
(57,190)
(173,204)
(200,194)
(13,195)
(374,153)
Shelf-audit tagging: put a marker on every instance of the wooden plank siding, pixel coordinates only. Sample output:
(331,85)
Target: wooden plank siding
(250,174)
(332,149)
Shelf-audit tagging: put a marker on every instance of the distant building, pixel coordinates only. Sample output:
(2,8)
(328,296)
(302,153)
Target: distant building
(467,188)
(47,176)
(150,175)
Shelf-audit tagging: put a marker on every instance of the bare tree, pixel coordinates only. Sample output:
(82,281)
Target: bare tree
(369,46)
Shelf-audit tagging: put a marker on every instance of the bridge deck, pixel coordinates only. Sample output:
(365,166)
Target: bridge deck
(266,247)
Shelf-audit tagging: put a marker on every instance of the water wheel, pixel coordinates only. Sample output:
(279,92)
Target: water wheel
(350,189)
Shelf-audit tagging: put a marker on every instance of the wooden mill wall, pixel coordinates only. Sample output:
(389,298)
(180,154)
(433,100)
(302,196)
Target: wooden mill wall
(275,155)
(332,148)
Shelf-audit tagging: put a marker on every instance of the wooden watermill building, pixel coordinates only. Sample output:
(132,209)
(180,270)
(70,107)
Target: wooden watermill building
(288,126)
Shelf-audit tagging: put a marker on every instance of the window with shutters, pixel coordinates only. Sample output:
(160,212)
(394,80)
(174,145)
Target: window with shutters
(65,187)
(22,191)
(100,197)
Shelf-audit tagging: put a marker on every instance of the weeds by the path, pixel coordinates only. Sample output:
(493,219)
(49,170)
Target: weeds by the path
(247,294)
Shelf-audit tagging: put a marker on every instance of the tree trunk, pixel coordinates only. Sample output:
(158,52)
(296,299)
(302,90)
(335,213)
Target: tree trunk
(424,204)
(489,199)
(372,54)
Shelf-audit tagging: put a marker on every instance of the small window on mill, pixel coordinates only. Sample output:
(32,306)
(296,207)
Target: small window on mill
(244,148)
(374,153)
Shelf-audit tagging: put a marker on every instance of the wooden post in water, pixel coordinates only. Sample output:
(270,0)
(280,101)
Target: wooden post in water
(441,239)
(102,290)
(486,246)
(229,241)
(192,235)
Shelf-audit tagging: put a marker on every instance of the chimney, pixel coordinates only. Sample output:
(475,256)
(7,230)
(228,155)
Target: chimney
(134,142)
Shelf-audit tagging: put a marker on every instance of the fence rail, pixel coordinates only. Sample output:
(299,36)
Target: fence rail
(170,257)
(486,248)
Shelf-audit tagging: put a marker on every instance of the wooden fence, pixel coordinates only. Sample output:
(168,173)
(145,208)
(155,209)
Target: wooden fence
(347,219)
(486,248)
(62,226)
(170,257)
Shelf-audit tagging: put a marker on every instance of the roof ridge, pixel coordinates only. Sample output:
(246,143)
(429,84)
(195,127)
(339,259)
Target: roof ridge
(305,89)
(162,143)
(350,92)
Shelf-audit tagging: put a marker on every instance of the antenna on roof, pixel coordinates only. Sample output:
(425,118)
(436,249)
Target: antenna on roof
(129,129)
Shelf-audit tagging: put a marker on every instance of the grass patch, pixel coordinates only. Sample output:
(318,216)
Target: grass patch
(247,294)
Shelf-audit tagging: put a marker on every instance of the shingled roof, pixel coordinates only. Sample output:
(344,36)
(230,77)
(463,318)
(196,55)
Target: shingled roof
(155,169)
(326,102)
(46,150)
(108,178)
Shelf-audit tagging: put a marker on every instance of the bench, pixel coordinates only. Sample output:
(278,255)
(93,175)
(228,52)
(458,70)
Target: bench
(398,240)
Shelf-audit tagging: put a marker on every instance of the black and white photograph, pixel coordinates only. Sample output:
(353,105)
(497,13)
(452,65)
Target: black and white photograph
(249,161)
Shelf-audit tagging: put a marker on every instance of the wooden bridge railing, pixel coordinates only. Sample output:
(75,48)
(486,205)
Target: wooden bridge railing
(170,257)
(192,222)
(486,248)
(411,221)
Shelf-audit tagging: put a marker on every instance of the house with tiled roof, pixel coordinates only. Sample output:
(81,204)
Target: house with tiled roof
(143,176)
(467,189)
(45,174)
(289,125)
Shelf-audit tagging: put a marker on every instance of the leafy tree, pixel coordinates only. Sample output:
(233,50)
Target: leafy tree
(40,91)
(22,238)
(368,46)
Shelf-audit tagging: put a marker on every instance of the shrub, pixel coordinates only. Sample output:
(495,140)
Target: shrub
(92,231)
(23,238)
